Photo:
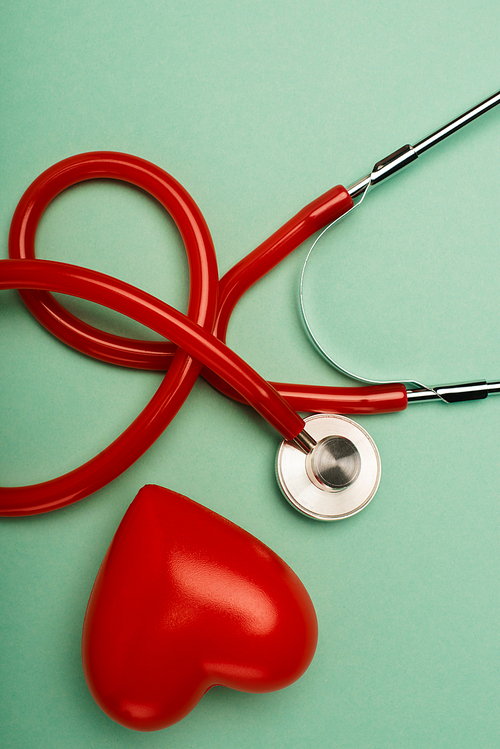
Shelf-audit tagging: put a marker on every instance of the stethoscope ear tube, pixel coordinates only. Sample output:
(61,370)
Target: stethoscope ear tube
(383,169)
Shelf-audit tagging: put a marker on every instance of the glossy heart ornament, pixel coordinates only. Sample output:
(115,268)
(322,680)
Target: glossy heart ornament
(185,600)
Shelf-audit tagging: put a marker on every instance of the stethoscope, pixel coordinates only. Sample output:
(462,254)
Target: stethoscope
(328,466)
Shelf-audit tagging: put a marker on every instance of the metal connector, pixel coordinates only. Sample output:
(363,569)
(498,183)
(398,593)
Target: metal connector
(399,159)
(463,391)
(304,442)
(383,169)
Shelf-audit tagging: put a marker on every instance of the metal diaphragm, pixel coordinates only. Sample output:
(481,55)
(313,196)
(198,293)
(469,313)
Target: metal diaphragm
(338,477)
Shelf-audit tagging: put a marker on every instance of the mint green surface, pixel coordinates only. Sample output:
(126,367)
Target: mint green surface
(257,108)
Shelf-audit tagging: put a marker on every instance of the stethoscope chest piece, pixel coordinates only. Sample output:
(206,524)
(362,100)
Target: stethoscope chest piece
(338,477)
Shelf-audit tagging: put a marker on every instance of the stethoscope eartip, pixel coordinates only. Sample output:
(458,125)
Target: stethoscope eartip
(337,477)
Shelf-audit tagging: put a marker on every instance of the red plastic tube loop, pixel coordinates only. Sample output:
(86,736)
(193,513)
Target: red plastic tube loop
(163,319)
(188,219)
(158,355)
(159,316)
(182,373)
(206,313)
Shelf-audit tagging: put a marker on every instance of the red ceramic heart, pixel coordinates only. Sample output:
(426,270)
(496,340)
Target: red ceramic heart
(185,600)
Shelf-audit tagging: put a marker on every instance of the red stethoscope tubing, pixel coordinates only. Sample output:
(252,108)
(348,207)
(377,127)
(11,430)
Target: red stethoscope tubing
(196,338)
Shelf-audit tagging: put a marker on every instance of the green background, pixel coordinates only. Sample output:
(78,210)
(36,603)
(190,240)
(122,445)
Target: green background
(257,108)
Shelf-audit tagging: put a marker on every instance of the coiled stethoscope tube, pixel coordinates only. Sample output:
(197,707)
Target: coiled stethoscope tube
(201,333)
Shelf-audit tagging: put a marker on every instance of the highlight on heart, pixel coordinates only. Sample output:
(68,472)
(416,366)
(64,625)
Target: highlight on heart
(185,600)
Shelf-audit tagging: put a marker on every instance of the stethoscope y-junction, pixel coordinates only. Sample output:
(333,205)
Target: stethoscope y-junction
(328,466)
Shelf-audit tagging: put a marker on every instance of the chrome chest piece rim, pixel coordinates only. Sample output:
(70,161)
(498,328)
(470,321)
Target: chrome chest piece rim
(338,477)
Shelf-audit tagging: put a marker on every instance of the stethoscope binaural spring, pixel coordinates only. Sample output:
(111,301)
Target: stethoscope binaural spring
(328,466)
